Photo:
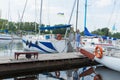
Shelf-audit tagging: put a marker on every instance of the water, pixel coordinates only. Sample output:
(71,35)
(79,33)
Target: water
(88,73)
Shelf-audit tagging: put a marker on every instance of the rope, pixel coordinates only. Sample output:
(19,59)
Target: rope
(23,10)
(113,10)
(70,18)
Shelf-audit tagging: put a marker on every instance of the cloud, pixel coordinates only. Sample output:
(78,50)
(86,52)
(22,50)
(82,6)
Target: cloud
(103,3)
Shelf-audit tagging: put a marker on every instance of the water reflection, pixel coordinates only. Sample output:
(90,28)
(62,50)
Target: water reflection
(91,73)
(8,50)
(101,73)
(28,77)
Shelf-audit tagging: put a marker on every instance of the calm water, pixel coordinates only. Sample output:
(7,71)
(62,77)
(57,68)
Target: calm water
(92,72)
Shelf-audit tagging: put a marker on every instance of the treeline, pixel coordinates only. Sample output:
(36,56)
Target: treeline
(14,27)
(26,27)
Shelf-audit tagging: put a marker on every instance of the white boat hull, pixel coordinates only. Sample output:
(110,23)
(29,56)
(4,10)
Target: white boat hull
(45,46)
(110,62)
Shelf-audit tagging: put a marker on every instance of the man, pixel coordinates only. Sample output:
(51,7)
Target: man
(71,34)
(71,39)
(78,40)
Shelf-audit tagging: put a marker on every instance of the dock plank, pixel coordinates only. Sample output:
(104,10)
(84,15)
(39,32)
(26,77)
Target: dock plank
(45,63)
(41,57)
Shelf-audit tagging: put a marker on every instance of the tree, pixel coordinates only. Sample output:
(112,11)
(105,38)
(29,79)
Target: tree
(103,32)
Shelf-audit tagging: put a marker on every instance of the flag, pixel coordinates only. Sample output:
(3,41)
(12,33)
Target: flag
(62,14)
(113,28)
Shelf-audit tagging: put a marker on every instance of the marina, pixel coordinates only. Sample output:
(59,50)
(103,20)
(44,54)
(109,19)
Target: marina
(49,40)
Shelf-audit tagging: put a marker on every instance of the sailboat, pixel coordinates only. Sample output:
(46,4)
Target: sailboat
(48,43)
(92,40)
(6,37)
(105,53)
(109,58)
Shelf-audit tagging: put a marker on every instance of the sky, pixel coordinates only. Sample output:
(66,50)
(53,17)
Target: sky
(100,13)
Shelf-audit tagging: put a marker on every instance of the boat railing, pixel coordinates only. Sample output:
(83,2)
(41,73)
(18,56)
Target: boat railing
(112,51)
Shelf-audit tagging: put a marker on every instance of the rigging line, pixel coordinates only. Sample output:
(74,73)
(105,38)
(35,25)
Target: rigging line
(8,14)
(70,17)
(77,14)
(24,10)
(113,9)
(40,14)
(48,7)
(116,16)
(23,13)
(72,12)
(35,17)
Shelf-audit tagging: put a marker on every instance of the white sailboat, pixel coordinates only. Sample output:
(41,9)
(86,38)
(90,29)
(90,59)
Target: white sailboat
(48,43)
(6,39)
(109,58)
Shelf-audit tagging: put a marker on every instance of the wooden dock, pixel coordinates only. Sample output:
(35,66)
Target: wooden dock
(44,63)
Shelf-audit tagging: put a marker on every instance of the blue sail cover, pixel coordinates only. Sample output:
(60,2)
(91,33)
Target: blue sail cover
(55,27)
(87,33)
(106,37)
(5,31)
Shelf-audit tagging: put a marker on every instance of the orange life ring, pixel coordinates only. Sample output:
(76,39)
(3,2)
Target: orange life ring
(98,52)
(57,73)
(59,36)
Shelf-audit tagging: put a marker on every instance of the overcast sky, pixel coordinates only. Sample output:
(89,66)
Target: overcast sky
(100,13)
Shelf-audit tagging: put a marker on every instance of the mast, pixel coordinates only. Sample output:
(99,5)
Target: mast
(40,15)
(8,14)
(35,16)
(77,14)
(23,13)
(85,14)
(0,13)
(70,18)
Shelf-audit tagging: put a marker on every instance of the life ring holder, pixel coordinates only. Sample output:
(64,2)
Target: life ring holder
(57,73)
(98,52)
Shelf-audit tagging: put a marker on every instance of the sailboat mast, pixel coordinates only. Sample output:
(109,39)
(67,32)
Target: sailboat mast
(35,16)
(23,13)
(77,14)
(70,18)
(40,15)
(85,14)
(8,14)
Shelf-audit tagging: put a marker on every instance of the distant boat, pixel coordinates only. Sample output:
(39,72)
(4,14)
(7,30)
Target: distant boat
(5,39)
(109,58)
